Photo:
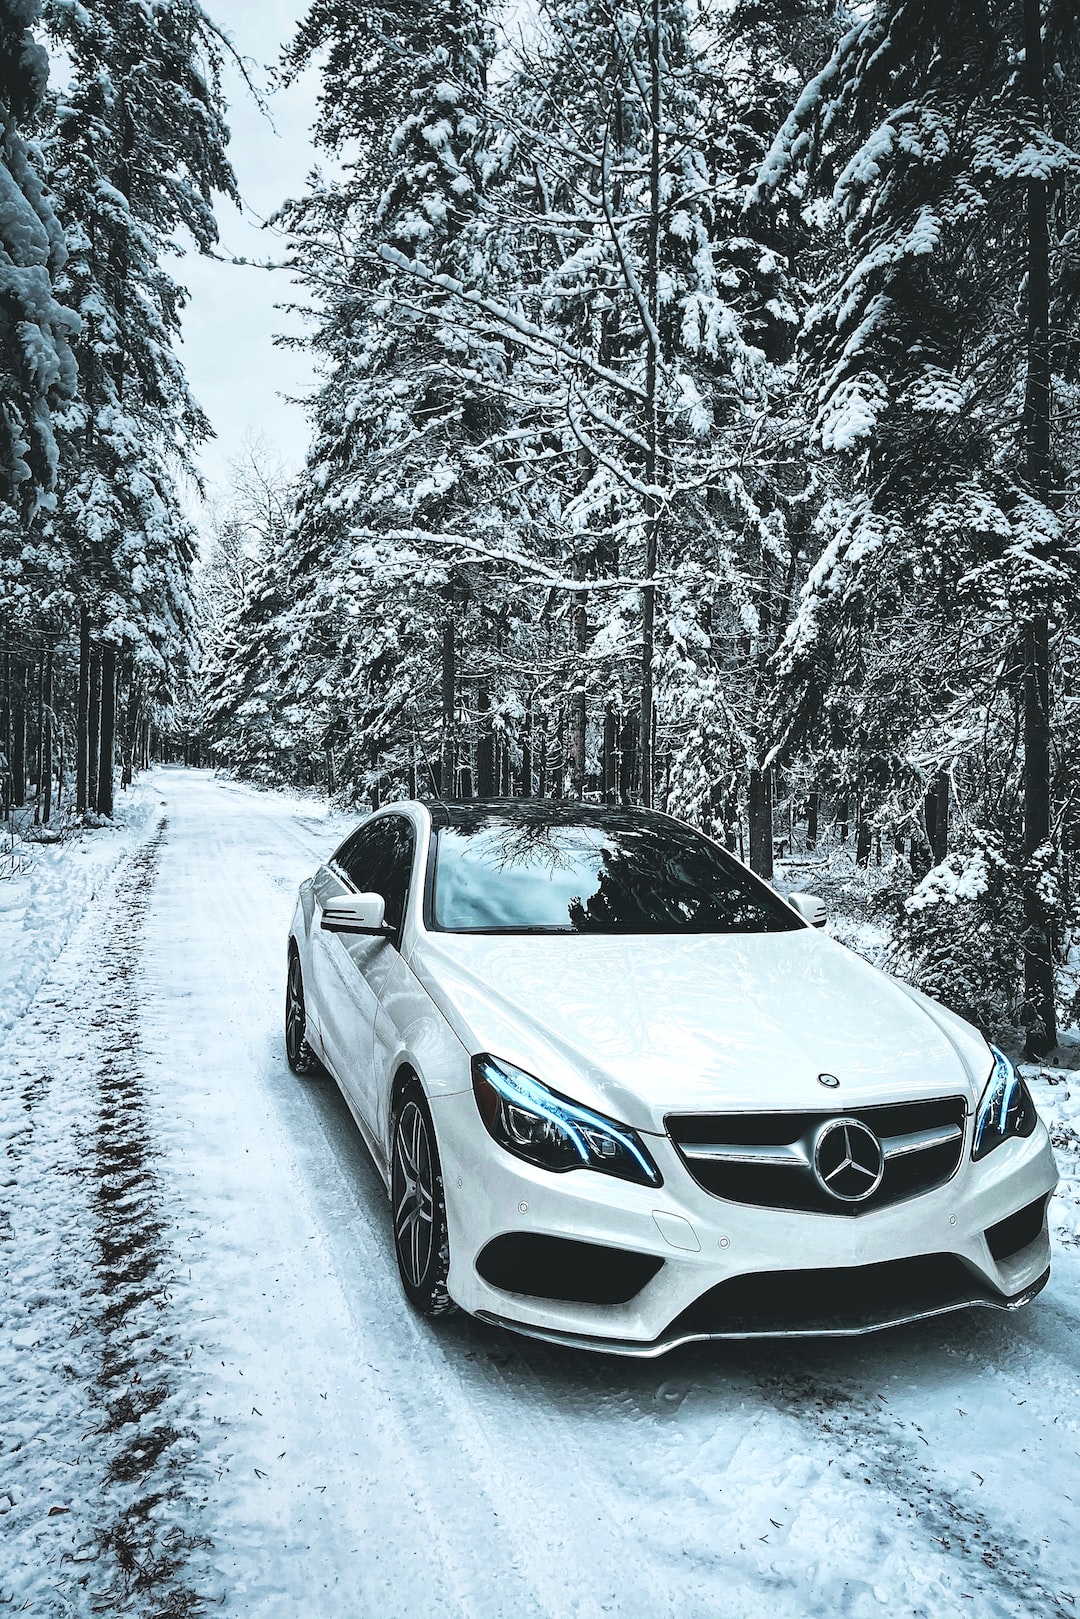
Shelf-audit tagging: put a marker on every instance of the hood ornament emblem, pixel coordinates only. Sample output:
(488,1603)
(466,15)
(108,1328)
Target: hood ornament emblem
(848,1160)
(830,1080)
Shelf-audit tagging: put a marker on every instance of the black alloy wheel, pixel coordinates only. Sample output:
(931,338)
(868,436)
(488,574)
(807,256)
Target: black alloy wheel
(298,1054)
(420,1237)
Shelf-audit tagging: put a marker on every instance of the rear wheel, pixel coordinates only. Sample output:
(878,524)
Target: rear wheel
(421,1243)
(298,1054)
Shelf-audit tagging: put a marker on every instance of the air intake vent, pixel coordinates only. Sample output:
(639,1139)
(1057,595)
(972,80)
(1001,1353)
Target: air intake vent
(1017,1230)
(557,1268)
(853,1299)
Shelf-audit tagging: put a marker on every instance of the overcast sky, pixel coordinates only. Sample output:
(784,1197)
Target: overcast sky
(235,371)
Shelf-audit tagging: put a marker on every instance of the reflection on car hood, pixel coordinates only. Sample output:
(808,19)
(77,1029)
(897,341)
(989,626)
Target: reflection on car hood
(643,1026)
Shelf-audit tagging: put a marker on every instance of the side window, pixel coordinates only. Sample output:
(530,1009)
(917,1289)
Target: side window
(359,856)
(378,860)
(342,855)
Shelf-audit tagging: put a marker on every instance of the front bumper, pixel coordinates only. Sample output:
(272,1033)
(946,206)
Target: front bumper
(702,1242)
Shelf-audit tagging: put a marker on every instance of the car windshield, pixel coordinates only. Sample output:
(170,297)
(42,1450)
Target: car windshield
(553,872)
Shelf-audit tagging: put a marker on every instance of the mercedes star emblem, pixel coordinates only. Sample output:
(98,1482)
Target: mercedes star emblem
(828,1079)
(848,1160)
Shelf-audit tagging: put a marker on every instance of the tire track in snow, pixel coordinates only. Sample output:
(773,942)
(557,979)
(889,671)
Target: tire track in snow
(145,1416)
(96,1430)
(882,1450)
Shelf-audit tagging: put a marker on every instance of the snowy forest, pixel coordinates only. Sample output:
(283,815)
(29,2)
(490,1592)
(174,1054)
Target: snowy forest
(698,426)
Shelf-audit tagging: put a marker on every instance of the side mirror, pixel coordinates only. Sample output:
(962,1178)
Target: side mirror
(809,907)
(354,913)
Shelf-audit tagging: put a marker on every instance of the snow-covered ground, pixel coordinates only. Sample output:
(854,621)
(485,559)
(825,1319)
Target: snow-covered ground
(212,1393)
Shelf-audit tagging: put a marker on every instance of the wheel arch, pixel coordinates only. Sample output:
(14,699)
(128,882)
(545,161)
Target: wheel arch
(404,1075)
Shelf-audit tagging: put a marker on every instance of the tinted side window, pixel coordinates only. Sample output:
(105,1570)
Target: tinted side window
(344,853)
(378,860)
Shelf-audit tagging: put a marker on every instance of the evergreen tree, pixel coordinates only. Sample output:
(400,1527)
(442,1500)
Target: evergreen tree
(137,153)
(37,371)
(666,320)
(397,450)
(943,146)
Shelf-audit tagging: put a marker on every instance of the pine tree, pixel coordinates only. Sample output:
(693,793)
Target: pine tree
(37,375)
(137,153)
(666,318)
(948,312)
(399,431)
(37,370)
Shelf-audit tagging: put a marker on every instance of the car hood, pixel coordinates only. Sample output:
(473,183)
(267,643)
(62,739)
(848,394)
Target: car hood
(643,1026)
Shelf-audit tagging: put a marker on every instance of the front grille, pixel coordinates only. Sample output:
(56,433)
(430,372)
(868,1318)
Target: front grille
(852,1299)
(766,1159)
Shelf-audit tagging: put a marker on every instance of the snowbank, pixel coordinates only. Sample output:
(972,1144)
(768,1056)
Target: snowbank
(40,905)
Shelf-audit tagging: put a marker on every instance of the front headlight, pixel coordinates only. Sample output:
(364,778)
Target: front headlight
(1006,1108)
(552,1132)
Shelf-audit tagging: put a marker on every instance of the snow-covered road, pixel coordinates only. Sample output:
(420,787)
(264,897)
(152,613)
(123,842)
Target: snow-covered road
(212,1391)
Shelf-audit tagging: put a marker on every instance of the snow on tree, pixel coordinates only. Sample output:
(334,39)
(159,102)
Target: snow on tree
(944,152)
(135,155)
(657,320)
(553,341)
(242,601)
(37,369)
(401,423)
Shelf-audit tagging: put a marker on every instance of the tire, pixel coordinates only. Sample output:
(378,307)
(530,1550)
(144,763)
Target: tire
(421,1244)
(298,1054)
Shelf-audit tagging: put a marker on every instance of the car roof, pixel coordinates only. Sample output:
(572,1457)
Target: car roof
(470,814)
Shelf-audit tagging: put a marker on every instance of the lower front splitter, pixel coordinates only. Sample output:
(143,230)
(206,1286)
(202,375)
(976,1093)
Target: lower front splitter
(978,1299)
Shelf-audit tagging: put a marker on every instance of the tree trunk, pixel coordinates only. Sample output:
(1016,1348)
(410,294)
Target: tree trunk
(131,722)
(93,728)
(18,735)
(652,403)
(527,749)
(558,771)
(485,743)
(449,691)
(39,742)
(108,731)
(47,738)
(82,717)
(5,739)
(732,820)
(864,842)
(629,750)
(578,711)
(813,805)
(940,842)
(929,810)
(611,756)
(759,805)
(373,759)
(1038,932)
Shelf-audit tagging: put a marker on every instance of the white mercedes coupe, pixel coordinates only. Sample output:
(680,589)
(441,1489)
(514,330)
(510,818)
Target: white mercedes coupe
(624,1096)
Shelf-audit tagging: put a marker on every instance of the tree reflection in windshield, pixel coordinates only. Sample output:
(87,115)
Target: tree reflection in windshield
(523,867)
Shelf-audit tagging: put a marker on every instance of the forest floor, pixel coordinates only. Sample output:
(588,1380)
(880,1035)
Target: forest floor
(212,1397)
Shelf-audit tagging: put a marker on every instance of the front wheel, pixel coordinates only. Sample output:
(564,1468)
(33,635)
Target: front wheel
(421,1244)
(298,1054)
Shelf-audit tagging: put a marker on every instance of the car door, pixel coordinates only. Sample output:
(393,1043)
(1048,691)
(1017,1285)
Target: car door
(378,860)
